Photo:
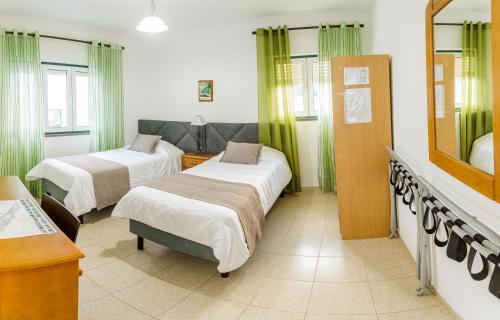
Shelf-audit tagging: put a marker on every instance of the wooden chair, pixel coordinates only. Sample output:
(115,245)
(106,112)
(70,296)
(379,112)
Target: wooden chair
(61,216)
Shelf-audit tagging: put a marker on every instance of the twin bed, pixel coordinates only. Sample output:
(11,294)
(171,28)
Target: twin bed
(481,155)
(74,187)
(214,231)
(195,226)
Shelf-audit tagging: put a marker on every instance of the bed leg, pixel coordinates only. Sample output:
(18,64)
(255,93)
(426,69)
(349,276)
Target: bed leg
(80,218)
(224,274)
(282,194)
(140,243)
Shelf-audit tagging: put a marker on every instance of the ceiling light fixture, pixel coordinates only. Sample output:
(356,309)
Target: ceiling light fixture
(152,24)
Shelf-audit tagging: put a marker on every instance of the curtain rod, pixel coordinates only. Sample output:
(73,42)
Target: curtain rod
(316,27)
(449,24)
(62,38)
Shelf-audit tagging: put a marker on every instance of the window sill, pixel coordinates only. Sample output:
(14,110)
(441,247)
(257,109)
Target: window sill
(306,118)
(67,133)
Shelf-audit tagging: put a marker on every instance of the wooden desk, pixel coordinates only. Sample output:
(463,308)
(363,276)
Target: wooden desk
(38,274)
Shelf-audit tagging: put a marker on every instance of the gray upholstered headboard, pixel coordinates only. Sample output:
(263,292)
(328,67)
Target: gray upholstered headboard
(216,135)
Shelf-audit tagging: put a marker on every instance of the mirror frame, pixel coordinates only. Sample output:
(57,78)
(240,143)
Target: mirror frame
(471,176)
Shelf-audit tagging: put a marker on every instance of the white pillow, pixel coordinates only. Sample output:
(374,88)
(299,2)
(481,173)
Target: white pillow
(145,143)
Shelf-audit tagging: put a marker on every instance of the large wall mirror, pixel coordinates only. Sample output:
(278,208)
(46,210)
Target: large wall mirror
(461,74)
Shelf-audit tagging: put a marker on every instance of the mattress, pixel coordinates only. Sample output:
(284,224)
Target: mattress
(481,155)
(212,225)
(143,167)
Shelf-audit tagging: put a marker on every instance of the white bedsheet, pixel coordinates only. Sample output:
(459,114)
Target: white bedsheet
(77,182)
(481,155)
(213,225)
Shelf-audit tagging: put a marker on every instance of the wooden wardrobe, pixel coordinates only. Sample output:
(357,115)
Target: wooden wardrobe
(362,130)
(444,84)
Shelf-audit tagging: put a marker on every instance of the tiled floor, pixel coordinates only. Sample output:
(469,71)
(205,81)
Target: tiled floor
(300,270)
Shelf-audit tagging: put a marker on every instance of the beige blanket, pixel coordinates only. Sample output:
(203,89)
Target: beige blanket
(110,179)
(242,198)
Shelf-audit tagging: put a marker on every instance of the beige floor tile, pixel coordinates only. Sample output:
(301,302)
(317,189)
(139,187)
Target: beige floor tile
(335,248)
(82,241)
(109,308)
(307,228)
(284,212)
(435,313)
(152,296)
(238,287)
(312,218)
(200,307)
(337,317)
(121,246)
(116,276)
(153,258)
(399,295)
(314,201)
(121,224)
(340,269)
(255,313)
(294,201)
(389,267)
(189,272)
(332,225)
(331,234)
(88,290)
(260,264)
(95,256)
(333,203)
(278,223)
(100,230)
(100,236)
(284,295)
(312,211)
(270,243)
(378,246)
(294,268)
(341,298)
(301,246)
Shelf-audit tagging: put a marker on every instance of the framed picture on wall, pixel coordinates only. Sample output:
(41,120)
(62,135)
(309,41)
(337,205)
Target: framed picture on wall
(205,90)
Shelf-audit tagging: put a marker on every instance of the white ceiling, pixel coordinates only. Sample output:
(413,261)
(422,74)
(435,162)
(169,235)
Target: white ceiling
(124,15)
(459,10)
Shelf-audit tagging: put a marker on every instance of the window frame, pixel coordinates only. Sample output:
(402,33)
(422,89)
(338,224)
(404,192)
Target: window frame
(307,62)
(71,71)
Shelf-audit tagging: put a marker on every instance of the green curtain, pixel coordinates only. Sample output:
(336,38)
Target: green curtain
(105,96)
(21,106)
(275,91)
(476,114)
(333,41)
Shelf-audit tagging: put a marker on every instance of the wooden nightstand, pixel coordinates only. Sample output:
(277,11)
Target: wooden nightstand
(191,159)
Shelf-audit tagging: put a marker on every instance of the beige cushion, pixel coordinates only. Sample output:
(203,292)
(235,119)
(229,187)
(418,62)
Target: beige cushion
(244,153)
(145,143)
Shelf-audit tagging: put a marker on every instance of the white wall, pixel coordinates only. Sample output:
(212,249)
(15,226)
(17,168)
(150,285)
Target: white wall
(226,53)
(398,29)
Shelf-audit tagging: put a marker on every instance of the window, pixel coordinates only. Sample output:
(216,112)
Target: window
(66,98)
(305,75)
